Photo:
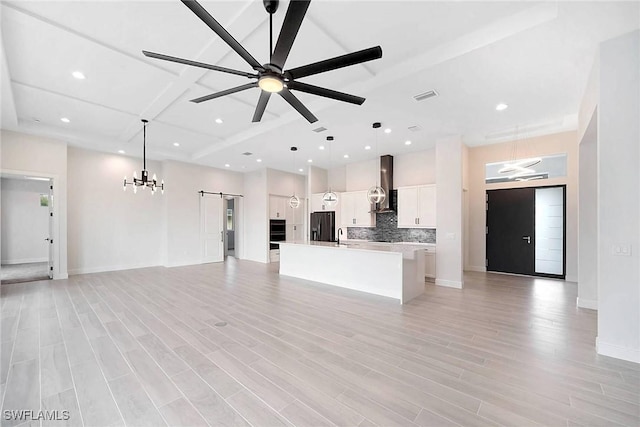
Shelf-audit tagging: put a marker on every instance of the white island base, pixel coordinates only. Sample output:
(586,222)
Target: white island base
(394,271)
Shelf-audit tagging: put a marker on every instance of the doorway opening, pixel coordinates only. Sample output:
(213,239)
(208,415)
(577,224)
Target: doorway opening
(230,228)
(26,209)
(526,231)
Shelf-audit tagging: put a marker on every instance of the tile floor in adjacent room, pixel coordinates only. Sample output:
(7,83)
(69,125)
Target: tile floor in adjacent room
(236,344)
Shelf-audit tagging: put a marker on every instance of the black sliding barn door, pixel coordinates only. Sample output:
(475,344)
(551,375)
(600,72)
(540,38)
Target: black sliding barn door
(510,230)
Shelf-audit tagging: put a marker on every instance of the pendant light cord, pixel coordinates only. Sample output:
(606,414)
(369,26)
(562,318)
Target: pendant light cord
(144,146)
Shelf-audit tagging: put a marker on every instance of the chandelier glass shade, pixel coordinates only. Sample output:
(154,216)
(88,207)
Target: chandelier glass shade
(329,198)
(144,181)
(376,195)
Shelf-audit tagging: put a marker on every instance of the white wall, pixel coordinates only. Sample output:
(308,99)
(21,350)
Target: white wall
(317,180)
(20,153)
(110,229)
(362,175)
(182,207)
(284,183)
(564,142)
(415,168)
(588,217)
(256,216)
(337,179)
(25,224)
(619,198)
(449,154)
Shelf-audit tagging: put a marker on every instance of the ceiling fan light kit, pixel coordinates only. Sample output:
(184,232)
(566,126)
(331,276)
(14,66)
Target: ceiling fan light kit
(270,77)
(144,181)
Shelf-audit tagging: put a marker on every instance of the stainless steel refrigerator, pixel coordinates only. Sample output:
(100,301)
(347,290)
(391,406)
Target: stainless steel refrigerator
(323,226)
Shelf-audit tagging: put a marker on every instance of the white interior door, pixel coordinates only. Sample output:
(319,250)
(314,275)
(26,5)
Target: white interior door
(50,238)
(212,228)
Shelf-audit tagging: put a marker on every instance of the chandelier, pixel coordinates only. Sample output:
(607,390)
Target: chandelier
(144,180)
(329,198)
(294,201)
(376,194)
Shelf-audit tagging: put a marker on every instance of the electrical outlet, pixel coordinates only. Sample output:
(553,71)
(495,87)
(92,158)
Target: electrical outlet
(451,236)
(621,249)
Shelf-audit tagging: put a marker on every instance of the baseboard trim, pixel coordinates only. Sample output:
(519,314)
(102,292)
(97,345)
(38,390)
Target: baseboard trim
(183,264)
(449,283)
(478,268)
(24,261)
(587,303)
(104,269)
(571,279)
(618,352)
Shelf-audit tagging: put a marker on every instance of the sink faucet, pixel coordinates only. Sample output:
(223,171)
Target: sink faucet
(339,233)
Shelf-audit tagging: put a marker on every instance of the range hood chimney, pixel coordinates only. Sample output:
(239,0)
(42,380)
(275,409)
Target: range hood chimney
(386,182)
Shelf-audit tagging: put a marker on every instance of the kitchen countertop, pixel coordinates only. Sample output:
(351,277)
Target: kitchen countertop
(365,245)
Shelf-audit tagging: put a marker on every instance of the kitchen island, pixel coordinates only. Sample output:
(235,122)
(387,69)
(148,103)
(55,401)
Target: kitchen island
(386,269)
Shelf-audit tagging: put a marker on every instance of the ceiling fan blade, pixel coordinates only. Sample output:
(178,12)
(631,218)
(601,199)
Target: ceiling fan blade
(262,105)
(295,103)
(335,63)
(220,31)
(292,21)
(197,64)
(225,92)
(327,93)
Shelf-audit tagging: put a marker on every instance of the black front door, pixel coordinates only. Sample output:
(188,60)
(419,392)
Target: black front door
(510,230)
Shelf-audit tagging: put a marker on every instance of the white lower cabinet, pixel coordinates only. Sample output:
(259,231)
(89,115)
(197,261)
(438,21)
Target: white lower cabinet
(430,263)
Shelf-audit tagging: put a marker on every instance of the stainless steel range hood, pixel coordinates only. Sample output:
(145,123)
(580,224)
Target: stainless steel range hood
(386,182)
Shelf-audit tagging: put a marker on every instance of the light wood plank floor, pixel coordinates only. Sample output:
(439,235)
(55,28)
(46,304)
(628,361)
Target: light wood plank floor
(236,344)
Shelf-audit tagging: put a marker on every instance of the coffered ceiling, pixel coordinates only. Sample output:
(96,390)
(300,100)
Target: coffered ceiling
(535,57)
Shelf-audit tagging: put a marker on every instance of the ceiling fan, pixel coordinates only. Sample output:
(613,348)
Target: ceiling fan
(271,77)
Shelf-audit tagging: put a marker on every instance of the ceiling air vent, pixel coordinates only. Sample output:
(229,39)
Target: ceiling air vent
(415,128)
(425,95)
(320,129)
(247,153)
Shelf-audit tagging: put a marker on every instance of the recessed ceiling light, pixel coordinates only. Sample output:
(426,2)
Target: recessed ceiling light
(310,161)
(219,121)
(346,156)
(121,151)
(501,107)
(321,147)
(78,75)
(301,170)
(259,160)
(176,144)
(227,165)
(65,120)
(367,147)
(387,130)
(407,142)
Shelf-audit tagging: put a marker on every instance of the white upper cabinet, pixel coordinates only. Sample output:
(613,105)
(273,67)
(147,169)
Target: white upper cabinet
(278,207)
(417,207)
(317,205)
(355,210)
(427,206)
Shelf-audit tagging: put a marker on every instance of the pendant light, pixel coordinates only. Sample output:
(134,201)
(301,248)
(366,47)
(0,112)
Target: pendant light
(144,180)
(376,194)
(294,201)
(520,169)
(329,198)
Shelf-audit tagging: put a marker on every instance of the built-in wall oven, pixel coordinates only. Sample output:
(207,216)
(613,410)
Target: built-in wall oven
(277,232)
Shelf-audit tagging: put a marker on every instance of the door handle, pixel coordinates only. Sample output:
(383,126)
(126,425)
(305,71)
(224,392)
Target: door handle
(527,238)
(222,236)
(47,239)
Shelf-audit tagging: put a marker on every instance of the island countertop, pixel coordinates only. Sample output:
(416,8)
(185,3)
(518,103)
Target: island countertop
(364,245)
(387,269)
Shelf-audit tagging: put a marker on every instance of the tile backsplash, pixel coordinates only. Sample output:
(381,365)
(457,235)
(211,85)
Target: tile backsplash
(387,230)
